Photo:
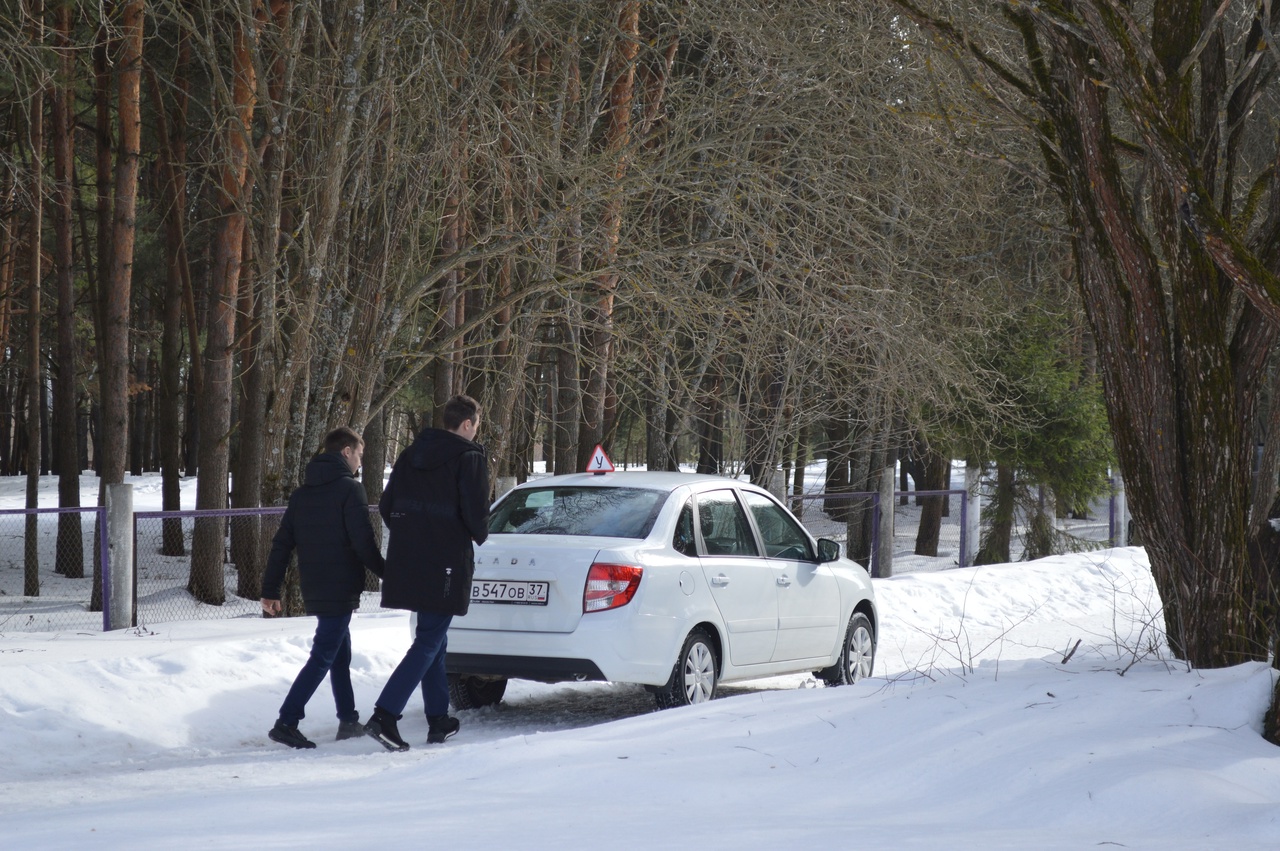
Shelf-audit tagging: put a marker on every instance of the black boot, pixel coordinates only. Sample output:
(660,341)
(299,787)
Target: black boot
(441,727)
(349,730)
(382,728)
(289,734)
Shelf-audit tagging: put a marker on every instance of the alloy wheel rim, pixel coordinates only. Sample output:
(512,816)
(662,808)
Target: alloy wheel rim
(859,654)
(699,674)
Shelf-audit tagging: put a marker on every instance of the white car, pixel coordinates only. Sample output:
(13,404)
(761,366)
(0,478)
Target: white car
(672,580)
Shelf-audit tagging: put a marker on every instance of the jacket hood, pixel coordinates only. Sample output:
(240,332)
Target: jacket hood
(325,468)
(435,447)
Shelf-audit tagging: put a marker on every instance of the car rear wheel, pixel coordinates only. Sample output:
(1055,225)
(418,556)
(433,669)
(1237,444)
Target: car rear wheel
(467,692)
(857,655)
(693,679)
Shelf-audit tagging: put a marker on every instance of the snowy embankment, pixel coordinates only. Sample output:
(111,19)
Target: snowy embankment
(974,733)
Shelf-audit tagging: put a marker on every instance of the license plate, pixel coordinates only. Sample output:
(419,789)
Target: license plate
(512,593)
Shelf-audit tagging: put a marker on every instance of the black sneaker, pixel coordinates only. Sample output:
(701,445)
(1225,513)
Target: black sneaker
(349,730)
(441,728)
(289,734)
(382,728)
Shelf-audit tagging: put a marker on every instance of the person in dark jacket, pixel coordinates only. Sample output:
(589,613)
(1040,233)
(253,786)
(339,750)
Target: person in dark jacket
(327,522)
(436,505)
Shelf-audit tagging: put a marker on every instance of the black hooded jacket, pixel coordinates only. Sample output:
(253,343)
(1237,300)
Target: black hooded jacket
(327,521)
(436,504)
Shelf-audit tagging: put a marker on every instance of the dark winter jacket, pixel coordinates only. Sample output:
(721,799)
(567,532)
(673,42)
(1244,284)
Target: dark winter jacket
(327,521)
(436,504)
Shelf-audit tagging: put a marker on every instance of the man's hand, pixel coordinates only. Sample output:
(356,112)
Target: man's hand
(270,608)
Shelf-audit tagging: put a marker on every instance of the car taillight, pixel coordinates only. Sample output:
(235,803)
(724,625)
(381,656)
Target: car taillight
(610,586)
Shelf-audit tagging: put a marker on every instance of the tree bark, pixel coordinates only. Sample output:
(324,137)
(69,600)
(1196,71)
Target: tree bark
(597,335)
(209,535)
(998,519)
(1160,264)
(70,545)
(932,466)
(35,377)
(172,395)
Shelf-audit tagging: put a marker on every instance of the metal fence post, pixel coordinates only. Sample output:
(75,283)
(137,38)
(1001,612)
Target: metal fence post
(883,545)
(120,549)
(971,514)
(502,485)
(1119,515)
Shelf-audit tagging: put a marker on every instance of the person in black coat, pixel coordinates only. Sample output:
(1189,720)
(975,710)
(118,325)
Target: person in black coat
(327,522)
(436,505)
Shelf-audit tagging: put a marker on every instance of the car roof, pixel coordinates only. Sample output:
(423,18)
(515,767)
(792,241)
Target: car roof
(652,480)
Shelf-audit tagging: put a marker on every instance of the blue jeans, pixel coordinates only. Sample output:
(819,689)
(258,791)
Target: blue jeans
(423,663)
(330,654)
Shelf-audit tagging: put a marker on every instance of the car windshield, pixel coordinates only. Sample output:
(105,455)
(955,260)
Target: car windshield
(607,512)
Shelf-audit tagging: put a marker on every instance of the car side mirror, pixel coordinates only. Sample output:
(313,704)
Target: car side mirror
(828,550)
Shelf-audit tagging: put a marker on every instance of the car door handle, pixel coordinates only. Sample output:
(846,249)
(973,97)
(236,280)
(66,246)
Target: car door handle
(720,581)
(784,581)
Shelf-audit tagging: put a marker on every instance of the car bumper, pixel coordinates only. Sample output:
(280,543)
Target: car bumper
(609,646)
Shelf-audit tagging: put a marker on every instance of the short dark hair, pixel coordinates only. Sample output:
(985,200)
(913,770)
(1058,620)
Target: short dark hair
(341,438)
(458,410)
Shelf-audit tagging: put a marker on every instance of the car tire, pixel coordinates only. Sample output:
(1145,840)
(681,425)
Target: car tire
(857,653)
(467,692)
(694,677)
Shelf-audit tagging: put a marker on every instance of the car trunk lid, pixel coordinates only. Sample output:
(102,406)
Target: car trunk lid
(506,562)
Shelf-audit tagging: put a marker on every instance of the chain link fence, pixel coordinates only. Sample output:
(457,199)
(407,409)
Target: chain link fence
(47,569)
(229,554)
(55,548)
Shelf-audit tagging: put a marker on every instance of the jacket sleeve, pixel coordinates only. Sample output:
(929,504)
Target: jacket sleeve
(281,548)
(360,529)
(473,493)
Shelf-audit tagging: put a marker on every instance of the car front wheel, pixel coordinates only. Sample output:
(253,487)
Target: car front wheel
(857,654)
(466,692)
(693,680)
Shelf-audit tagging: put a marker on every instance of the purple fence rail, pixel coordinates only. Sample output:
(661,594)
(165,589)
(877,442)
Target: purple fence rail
(65,600)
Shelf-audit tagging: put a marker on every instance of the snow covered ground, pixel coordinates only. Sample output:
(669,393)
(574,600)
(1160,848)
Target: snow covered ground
(975,733)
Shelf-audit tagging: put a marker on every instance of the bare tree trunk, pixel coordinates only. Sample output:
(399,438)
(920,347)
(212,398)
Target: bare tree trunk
(208,537)
(597,336)
(998,519)
(568,400)
(247,550)
(100,271)
(285,420)
(70,546)
(1181,297)
(375,465)
(448,366)
(118,286)
(117,217)
(172,396)
(711,426)
(932,467)
(35,377)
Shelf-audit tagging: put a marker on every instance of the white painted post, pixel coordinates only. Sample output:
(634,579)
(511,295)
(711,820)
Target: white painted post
(120,553)
(884,534)
(503,484)
(778,484)
(973,513)
(1120,535)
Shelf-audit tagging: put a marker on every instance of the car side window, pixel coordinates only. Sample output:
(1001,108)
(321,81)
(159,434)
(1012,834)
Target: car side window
(783,537)
(724,527)
(684,542)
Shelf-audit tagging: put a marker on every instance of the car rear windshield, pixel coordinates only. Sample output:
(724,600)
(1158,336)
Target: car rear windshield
(607,512)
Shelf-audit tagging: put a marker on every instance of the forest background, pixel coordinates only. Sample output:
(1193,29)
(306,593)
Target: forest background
(725,234)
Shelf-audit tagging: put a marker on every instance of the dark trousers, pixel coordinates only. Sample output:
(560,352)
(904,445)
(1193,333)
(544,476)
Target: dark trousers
(330,654)
(422,663)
